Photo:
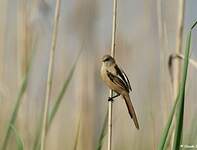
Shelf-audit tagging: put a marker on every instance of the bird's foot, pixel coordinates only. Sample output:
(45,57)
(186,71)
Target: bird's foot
(110,99)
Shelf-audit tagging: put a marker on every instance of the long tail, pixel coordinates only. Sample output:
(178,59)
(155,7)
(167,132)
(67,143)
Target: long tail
(131,109)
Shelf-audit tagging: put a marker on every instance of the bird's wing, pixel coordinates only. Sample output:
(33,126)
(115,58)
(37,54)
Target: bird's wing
(123,76)
(116,80)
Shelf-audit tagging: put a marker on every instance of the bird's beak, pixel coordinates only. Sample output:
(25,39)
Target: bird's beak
(102,59)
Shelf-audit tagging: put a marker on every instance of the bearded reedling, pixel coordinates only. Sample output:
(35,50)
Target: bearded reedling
(116,80)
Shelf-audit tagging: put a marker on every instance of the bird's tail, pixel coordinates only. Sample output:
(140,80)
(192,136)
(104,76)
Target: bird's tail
(131,109)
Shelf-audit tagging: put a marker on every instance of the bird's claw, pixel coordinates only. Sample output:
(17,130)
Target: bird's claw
(110,99)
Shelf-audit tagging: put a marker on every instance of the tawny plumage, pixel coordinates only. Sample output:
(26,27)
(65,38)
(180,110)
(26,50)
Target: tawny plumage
(116,79)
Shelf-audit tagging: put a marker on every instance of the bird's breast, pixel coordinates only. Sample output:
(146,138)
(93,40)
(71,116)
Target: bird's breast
(107,80)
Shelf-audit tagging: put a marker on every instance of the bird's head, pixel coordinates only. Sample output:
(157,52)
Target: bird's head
(108,60)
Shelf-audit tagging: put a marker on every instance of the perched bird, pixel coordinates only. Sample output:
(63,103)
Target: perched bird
(116,80)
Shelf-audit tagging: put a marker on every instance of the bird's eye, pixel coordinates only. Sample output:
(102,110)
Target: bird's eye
(106,59)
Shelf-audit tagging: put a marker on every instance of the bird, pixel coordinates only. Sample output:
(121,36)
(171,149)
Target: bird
(116,79)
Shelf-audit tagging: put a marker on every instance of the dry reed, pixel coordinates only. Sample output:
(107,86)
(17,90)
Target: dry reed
(111,92)
(49,77)
(179,37)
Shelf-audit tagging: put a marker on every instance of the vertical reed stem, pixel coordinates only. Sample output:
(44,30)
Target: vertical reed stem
(3,21)
(179,37)
(49,77)
(111,92)
(22,44)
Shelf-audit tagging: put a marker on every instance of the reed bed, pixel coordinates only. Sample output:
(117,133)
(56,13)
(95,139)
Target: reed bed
(60,83)
(178,106)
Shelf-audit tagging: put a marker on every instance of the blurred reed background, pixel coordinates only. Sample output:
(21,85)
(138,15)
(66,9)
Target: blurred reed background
(142,50)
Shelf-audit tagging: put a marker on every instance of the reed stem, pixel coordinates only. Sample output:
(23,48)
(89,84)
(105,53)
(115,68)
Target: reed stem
(49,77)
(111,92)
(177,65)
